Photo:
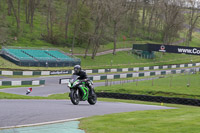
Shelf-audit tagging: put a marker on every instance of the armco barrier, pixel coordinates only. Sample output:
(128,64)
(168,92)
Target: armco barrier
(129,69)
(19,83)
(98,70)
(160,99)
(137,74)
(25,73)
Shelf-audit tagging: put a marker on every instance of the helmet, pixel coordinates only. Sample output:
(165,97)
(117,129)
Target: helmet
(77,68)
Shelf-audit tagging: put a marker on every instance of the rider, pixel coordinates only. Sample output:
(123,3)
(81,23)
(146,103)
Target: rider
(82,76)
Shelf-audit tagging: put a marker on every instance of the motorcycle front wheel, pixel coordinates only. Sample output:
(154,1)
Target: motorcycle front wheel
(92,99)
(74,97)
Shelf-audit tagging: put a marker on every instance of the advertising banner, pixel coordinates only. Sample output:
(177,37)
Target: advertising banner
(169,49)
(60,72)
(174,49)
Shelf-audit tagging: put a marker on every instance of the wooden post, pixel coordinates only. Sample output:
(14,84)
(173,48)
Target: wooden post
(171,81)
(137,82)
(152,82)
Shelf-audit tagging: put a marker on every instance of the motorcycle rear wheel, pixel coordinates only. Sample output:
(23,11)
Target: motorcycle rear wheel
(74,97)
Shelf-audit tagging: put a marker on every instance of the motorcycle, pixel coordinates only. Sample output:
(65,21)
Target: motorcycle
(79,91)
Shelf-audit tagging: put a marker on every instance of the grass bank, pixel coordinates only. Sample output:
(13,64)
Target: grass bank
(127,60)
(120,60)
(179,85)
(184,119)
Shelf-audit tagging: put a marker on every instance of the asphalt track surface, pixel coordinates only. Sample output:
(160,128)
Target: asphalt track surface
(23,112)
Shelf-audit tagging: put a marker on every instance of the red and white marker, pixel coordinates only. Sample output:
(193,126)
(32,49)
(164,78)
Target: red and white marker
(29,91)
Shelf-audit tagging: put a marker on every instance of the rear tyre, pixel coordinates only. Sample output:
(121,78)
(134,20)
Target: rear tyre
(74,97)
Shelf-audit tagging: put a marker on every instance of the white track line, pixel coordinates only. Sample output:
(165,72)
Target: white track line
(39,124)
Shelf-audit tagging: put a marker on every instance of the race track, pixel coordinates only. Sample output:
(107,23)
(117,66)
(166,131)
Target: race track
(23,112)
(51,86)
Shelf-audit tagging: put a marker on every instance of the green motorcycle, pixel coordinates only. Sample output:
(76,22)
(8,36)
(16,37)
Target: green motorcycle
(79,91)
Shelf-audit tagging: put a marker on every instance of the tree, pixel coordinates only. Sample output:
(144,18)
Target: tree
(81,23)
(9,7)
(144,13)
(133,17)
(27,11)
(152,14)
(193,17)
(116,9)
(49,21)
(172,21)
(16,12)
(71,6)
(99,16)
(4,34)
(32,7)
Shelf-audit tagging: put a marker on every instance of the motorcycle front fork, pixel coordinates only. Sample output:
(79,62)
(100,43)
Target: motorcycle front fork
(91,91)
(77,93)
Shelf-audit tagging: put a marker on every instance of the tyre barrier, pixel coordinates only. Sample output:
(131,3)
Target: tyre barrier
(160,99)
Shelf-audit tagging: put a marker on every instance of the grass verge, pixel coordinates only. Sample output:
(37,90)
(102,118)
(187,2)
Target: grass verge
(179,85)
(184,119)
(15,96)
(4,87)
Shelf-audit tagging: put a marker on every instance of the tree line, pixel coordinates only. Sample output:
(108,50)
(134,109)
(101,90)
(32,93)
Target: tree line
(91,23)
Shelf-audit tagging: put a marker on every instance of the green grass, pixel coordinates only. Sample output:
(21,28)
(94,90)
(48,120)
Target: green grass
(185,119)
(126,59)
(195,40)
(171,86)
(15,96)
(121,60)
(109,46)
(4,87)
(122,44)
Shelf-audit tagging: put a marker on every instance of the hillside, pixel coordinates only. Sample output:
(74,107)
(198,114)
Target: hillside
(57,23)
(80,27)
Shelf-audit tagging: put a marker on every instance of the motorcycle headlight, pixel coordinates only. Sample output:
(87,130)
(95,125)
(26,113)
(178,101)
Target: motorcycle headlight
(71,81)
(75,83)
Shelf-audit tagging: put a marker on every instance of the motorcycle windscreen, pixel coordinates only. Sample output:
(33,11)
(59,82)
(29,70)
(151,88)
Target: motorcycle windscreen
(74,78)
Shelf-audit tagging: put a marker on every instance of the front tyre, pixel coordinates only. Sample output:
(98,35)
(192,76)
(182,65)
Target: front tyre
(92,99)
(74,97)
